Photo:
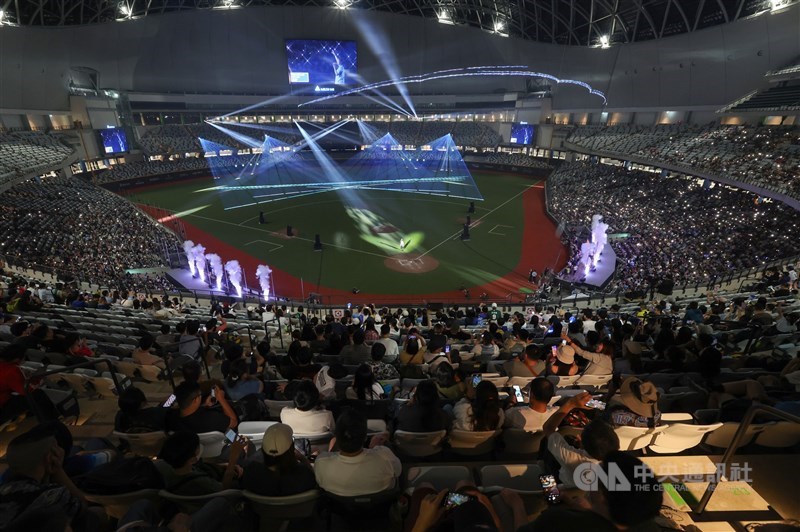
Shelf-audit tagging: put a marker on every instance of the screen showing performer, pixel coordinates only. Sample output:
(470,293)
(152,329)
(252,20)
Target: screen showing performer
(522,133)
(323,66)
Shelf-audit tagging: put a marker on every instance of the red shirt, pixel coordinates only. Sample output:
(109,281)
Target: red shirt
(11,381)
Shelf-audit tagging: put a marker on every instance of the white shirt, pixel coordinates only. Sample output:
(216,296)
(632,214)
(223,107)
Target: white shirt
(568,457)
(526,418)
(392,351)
(372,471)
(315,421)
(463,416)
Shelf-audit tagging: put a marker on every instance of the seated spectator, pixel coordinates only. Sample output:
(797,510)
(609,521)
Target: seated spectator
(600,363)
(319,343)
(598,440)
(392,350)
(381,370)
(527,363)
(449,382)
(279,469)
(365,387)
(239,383)
(609,510)
(532,417)
(435,355)
(563,363)
(135,416)
(485,349)
(370,333)
(180,466)
(233,352)
(422,412)
(358,351)
(438,340)
(77,349)
(412,353)
(144,356)
(166,339)
(301,366)
(481,414)
(13,401)
(325,380)
(36,483)
(636,405)
(354,470)
(195,415)
(191,346)
(307,416)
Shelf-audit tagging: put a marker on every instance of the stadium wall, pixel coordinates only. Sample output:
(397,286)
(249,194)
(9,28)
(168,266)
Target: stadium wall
(242,50)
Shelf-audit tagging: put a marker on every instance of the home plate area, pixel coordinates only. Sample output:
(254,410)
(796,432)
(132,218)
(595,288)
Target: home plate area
(411,263)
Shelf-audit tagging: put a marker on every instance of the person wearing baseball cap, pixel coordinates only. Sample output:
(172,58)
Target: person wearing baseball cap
(635,405)
(278,470)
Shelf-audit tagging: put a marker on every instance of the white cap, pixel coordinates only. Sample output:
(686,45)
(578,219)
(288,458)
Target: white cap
(494,305)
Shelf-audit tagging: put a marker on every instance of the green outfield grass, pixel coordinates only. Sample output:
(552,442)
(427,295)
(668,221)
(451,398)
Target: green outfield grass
(354,253)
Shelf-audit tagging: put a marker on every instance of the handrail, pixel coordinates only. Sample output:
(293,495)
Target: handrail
(38,375)
(734,445)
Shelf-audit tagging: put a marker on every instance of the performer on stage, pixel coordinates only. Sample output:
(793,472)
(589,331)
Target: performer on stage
(261,217)
(402,244)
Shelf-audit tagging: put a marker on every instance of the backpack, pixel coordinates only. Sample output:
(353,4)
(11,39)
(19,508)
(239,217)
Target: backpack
(122,476)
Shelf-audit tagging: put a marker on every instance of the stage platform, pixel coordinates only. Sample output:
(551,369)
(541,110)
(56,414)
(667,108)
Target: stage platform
(184,280)
(601,274)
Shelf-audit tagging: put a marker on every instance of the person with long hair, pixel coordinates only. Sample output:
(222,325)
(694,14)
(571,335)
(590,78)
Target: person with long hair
(483,413)
(422,413)
(365,387)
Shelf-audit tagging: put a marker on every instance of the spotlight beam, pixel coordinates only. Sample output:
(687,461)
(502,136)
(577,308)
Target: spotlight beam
(344,137)
(270,101)
(458,73)
(382,49)
(244,139)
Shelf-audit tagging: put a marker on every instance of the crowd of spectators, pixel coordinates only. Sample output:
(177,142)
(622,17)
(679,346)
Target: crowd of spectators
(518,159)
(81,231)
(678,227)
(49,481)
(27,151)
(765,156)
(416,133)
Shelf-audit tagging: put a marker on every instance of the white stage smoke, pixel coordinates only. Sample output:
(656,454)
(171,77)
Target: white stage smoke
(263,272)
(216,266)
(234,270)
(188,247)
(200,260)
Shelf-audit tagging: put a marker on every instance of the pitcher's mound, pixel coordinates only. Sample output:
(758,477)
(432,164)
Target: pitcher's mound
(411,263)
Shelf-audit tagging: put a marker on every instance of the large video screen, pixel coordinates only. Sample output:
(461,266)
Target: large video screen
(323,66)
(522,133)
(114,140)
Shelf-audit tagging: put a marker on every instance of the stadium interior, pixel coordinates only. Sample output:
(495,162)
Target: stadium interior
(420,266)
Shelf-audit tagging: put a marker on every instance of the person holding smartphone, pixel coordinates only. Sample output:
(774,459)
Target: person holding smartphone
(532,416)
(194,416)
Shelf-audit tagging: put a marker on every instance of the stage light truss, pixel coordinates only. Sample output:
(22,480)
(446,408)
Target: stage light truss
(483,71)
(571,22)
